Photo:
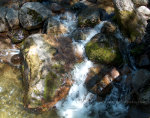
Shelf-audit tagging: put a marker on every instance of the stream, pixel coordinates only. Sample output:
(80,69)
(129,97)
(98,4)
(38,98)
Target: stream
(79,103)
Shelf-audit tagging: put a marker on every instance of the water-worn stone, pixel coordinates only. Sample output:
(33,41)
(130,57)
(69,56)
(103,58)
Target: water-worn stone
(3,23)
(56,8)
(103,49)
(89,17)
(55,28)
(129,21)
(12,18)
(144,12)
(33,14)
(43,69)
(141,2)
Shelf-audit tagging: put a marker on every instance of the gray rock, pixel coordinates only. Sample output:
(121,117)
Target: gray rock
(144,61)
(12,18)
(140,79)
(33,14)
(140,2)
(124,5)
(3,23)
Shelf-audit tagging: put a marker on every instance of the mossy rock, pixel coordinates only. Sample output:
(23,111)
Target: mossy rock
(130,24)
(89,17)
(101,51)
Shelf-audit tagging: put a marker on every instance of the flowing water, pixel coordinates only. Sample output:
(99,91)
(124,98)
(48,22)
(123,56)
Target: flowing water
(79,103)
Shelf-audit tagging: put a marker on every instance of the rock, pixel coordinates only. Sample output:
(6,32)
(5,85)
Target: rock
(3,23)
(99,84)
(93,1)
(12,18)
(102,49)
(17,36)
(141,2)
(129,21)
(16,59)
(55,28)
(79,34)
(144,12)
(78,7)
(56,8)
(141,79)
(108,28)
(89,17)
(144,61)
(33,14)
(44,68)
(114,73)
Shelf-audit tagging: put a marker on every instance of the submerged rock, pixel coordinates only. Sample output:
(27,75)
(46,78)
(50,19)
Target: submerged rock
(89,17)
(55,28)
(43,70)
(33,14)
(56,8)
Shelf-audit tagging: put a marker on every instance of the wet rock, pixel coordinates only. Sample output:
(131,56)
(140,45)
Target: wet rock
(16,59)
(108,28)
(89,17)
(131,23)
(55,28)
(103,49)
(141,2)
(93,1)
(12,18)
(144,61)
(56,8)
(101,85)
(17,36)
(33,14)
(78,7)
(141,79)
(144,12)
(79,34)
(44,68)
(3,23)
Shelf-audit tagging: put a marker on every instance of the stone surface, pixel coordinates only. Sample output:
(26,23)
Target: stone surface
(140,2)
(56,8)
(3,24)
(12,18)
(33,14)
(55,28)
(44,69)
(104,50)
(89,17)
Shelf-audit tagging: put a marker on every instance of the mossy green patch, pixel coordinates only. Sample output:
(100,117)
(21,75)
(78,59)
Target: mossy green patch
(129,23)
(51,84)
(103,54)
(35,16)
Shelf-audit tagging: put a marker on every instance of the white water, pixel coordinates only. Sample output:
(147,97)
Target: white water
(80,103)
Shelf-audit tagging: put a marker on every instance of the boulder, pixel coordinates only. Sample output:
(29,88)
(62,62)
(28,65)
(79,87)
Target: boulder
(44,70)
(103,49)
(12,18)
(141,2)
(79,34)
(55,28)
(89,17)
(33,14)
(140,79)
(56,8)
(129,21)
(3,23)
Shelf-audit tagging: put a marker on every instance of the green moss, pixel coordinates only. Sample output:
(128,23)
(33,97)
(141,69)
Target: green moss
(35,15)
(58,68)
(103,54)
(51,84)
(129,23)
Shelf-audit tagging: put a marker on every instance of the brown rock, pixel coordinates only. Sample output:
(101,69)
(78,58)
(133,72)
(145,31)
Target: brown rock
(56,8)
(16,59)
(114,73)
